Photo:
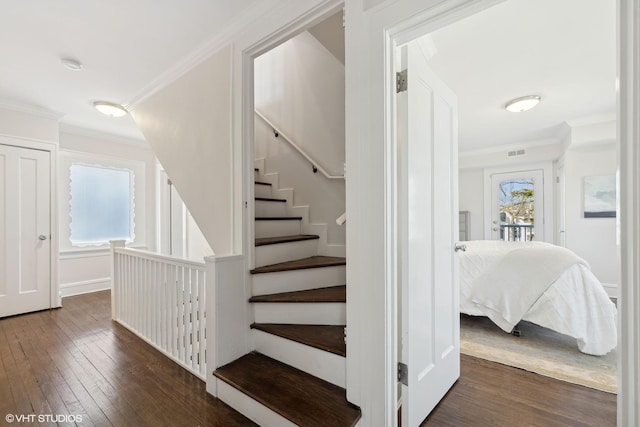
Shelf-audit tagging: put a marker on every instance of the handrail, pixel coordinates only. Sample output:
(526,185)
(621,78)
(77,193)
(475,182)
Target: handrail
(316,166)
(167,259)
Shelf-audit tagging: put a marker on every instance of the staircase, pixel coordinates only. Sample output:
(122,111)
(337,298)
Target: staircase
(296,374)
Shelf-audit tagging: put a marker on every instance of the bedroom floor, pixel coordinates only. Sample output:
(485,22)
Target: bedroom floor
(492,394)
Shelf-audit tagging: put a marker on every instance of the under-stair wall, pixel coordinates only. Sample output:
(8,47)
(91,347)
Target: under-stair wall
(188,125)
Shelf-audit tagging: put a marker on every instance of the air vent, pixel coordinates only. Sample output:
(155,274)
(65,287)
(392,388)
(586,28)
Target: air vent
(515,153)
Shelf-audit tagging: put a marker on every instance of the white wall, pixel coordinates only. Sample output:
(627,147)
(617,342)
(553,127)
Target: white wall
(35,125)
(594,239)
(87,269)
(299,87)
(188,125)
(178,233)
(471,198)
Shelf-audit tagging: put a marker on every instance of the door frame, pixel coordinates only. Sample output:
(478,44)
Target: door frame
(32,144)
(402,20)
(248,55)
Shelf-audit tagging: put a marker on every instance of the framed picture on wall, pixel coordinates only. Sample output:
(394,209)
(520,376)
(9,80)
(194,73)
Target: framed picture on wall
(600,196)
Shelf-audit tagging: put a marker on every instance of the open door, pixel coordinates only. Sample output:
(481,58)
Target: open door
(427,229)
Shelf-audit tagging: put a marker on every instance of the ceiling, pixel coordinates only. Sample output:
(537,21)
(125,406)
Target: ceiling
(564,51)
(124,46)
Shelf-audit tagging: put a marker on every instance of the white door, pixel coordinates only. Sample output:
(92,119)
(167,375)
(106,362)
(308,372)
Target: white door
(25,230)
(427,230)
(517,206)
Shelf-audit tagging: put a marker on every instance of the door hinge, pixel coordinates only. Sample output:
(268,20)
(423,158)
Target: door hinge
(401,81)
(169,182)
(403,373)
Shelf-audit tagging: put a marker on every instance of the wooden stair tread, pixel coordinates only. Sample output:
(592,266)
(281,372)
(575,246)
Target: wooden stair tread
(331,294)
(297,396)
(270,199)
(299,264)
(325,337)
(277,218)
(262,241)
(262,183)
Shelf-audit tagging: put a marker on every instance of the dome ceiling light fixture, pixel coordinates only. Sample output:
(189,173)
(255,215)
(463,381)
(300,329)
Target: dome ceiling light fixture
(523,103)
(110,109)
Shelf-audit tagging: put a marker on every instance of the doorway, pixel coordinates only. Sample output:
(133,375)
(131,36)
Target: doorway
(412,31)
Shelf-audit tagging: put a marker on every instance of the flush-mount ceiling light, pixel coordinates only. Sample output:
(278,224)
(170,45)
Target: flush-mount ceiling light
(523,103)
(71,64)
(110,109)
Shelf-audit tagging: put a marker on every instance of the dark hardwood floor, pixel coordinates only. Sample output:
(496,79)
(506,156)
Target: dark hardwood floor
(491,394)
(76,361)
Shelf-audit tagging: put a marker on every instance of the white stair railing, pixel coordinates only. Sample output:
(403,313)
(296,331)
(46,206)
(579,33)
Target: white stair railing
(162,300)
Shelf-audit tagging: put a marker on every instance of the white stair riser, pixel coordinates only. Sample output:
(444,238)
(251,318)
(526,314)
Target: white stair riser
(277,228)
(298,280)
(262,190)
(282,252)
(268,208)
(316,313)
(256,175)
(249,407)
(322,364)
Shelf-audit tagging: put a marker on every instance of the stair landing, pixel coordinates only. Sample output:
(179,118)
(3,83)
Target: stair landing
(295,395)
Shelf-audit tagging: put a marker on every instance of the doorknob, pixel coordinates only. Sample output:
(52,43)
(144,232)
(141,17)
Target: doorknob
(460,247)
(42,237)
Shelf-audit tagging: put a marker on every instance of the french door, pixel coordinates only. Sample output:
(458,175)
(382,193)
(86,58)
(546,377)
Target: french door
(517,206)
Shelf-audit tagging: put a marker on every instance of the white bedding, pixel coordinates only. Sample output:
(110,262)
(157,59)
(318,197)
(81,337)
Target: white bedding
(574,304)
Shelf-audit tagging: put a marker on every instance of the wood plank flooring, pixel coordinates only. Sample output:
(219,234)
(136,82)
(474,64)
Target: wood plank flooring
(76,361)
(491,394)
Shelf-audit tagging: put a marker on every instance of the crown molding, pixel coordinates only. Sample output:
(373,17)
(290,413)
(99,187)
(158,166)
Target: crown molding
(509,147)
(222,38)
(593,119)
(33,110)
(104,136)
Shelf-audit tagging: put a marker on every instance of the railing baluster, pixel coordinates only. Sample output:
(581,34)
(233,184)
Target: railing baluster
(201,321)
(194,319)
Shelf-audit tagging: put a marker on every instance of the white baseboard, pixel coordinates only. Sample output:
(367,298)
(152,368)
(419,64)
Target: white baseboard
(613,290)
(84,287)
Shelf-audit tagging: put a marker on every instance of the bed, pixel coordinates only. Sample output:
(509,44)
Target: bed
(540,283)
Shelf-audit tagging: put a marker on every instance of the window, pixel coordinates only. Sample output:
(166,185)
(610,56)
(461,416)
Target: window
(101,204)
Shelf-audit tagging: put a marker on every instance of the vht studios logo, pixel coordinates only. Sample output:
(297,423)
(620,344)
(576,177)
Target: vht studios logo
(42,418)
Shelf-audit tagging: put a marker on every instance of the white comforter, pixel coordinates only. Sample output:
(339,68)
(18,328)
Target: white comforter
(574,304)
